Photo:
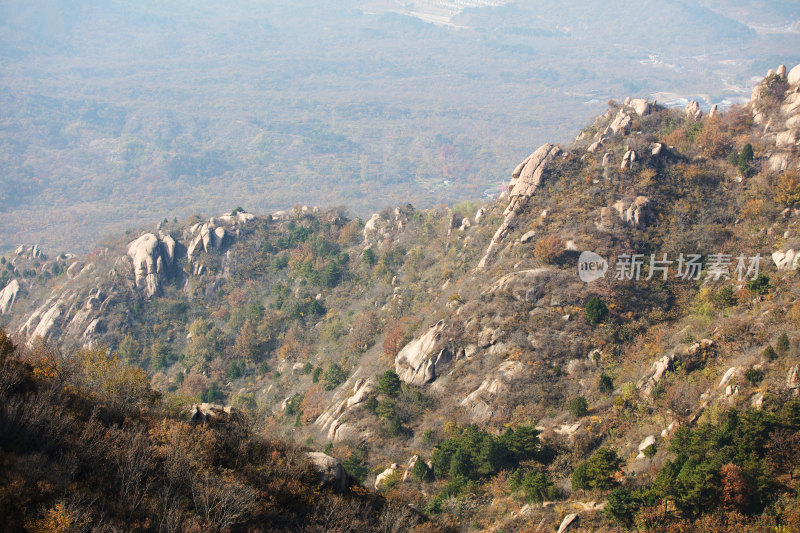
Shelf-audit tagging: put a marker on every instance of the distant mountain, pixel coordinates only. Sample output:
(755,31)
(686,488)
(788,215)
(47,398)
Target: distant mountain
(114,114)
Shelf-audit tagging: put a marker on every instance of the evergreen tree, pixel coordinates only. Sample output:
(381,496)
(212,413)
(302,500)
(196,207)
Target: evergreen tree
(389,384)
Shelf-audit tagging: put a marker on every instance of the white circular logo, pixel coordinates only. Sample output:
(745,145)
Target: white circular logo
(591,267)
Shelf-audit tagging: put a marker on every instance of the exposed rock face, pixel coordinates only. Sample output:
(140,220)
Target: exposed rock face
(570,519)
(656,149)
(8,296)
(479,214)
(330,471)
(239,218)
(410,466)
(386,474)
(48,322)
(786,260)
(206,238)
(693,110)
(641,106)
(29,252)
(793,379)
(657,371)
(332,420)
(648,441)
(627,159)
(619,126)
(794,76)
(416,363)
(75,269)
(379,228)
(635,213)
(529,285)
(478,401)
(371,227)
(151,256)
(208,413)
(527,237)
(788,138)
(784,126)
(524,181)
(728,376)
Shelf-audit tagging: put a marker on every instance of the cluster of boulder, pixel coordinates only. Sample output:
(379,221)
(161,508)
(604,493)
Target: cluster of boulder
(781,127)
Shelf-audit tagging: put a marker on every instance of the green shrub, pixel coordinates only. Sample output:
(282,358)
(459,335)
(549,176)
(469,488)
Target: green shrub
(421,471)
(596,310)
(389,384)
(725,297)
(578,407)
(355,465)
(333,376)
(753,376)
(745,157)
(599,472)
(769,353)
(605,383)
(759,285)
(783,345)
(535,484)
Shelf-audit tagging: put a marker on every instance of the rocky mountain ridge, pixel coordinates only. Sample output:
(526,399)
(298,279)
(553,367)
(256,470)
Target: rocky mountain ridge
(306,318)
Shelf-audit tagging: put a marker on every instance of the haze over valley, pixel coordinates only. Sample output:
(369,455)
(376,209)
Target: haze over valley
(119,114)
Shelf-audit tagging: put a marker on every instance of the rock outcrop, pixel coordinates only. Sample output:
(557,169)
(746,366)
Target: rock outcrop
(380,227)
(528,285)
(619,126)
(635,212)
(783,124)
(794,76)
(207,238)
(210,413)
(648,441)
(333,420)
(8,296)
(693,110)
(786,260)
(627,159)
(478,402)
(386,474)
(568,521)
(417,362)
(47,322)
(641,106)
(151,256)
(330,471)
(793,379)
(524,181)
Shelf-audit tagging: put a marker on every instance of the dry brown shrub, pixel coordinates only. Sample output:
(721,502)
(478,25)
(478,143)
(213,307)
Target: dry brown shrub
(787,191)
(313,403)
(714,141)
(676,138)
(751,209)
(549,249)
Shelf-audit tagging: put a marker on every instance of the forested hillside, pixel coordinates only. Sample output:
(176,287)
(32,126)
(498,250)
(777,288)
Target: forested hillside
(612,343)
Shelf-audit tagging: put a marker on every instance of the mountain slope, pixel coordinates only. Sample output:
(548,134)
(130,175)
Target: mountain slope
(461,359)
